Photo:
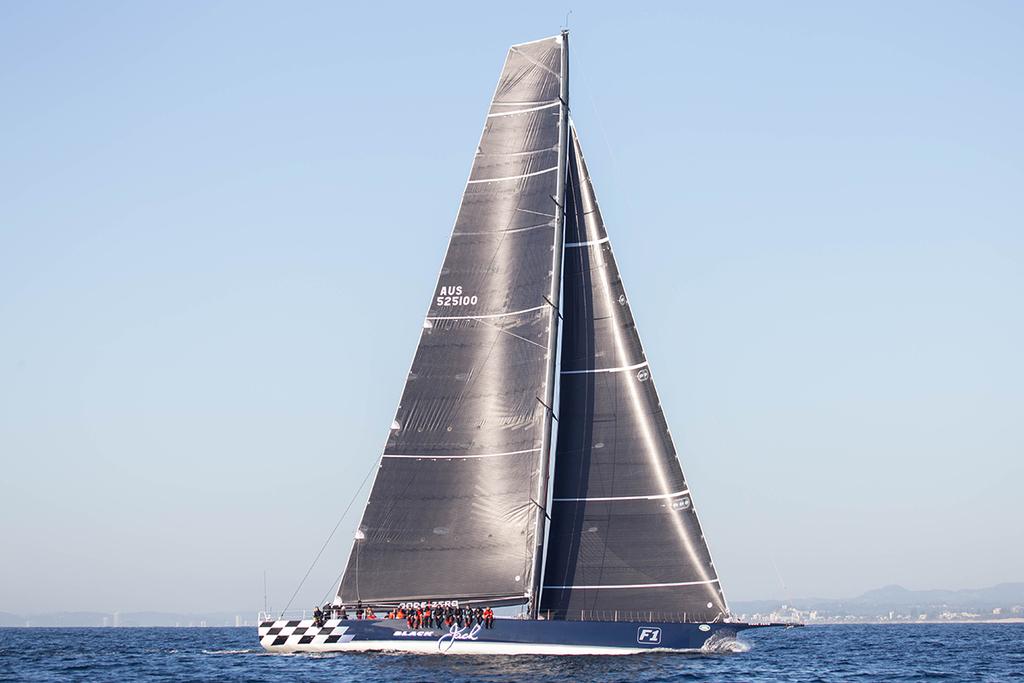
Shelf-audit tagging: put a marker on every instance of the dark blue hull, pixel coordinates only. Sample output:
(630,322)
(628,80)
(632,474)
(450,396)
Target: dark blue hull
(508,636)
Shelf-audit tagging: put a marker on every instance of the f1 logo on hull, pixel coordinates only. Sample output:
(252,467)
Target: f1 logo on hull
(648,635)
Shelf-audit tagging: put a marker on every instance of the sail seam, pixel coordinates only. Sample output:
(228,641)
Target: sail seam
(462,457)
(513,177)
(635,585)
(524,111)
(588,243)
(595,370)
(606,498)
(481,317)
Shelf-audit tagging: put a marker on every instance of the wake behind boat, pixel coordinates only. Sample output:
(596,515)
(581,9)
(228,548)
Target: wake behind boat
(611,560)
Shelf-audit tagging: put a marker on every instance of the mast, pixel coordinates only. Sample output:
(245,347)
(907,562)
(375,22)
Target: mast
(553,298)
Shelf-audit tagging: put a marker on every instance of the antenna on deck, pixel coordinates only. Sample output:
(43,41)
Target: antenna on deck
(565,29)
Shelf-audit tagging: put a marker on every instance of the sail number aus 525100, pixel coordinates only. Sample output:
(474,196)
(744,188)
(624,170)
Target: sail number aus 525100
(452,295)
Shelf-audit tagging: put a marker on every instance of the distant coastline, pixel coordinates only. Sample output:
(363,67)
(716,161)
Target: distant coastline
(1000,604)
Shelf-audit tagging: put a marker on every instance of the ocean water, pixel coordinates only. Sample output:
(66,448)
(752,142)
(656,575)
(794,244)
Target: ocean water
(940,652)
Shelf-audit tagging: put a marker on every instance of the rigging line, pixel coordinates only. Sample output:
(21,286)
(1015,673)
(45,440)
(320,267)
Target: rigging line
(597,117)
(333,531)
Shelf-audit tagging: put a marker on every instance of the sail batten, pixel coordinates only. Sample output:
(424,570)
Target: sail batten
(451,514)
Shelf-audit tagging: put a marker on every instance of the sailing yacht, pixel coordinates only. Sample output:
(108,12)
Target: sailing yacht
(611,559)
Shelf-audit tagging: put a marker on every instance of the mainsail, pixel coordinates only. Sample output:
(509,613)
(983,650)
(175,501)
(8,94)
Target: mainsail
(457,507)
(624,535)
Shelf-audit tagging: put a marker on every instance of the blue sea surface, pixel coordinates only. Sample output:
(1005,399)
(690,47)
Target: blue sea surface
(912,652)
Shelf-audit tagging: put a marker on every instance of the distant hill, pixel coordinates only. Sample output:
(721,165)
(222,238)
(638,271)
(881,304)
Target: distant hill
(1004,596)
(8,619)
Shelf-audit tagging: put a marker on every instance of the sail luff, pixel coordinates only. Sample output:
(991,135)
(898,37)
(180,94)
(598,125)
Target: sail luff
(554,299)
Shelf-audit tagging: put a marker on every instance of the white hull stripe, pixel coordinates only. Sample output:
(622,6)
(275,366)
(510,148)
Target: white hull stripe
(523,111)
(624,368)
(482,317)
(656,497)
(513,177)
(634,585)
(586,244)
(461,457)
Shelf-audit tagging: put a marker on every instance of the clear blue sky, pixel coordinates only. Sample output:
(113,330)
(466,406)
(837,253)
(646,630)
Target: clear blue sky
(220,224)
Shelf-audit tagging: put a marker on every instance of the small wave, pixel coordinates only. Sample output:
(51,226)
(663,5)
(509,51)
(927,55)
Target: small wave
(230,652)
(721,643)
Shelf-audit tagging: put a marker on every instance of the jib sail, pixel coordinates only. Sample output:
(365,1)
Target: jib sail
(624,536)
(454,509)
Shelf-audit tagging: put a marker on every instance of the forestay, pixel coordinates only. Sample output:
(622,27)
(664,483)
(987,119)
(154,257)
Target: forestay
(453,512)
(624,536)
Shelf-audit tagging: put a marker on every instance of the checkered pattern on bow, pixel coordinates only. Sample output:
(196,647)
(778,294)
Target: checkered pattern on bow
(304,632)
